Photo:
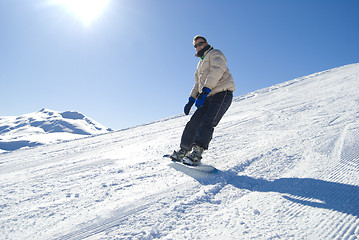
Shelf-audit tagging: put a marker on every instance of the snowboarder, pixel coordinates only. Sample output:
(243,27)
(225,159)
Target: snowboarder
(212,94)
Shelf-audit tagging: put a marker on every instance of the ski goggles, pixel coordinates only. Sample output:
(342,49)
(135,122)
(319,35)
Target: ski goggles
(198,44)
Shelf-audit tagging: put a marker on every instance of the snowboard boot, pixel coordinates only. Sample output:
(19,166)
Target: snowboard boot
(194,158)
(178,155)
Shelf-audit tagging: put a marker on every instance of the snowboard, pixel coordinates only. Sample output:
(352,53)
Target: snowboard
(200,167)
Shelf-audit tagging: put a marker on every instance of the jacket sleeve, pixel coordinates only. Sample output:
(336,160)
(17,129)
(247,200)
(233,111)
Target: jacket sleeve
(194,92)
(218,65)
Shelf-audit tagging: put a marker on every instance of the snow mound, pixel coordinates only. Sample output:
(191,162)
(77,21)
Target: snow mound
(45,126)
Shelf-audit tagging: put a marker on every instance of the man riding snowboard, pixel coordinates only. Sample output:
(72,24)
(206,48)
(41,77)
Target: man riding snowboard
(212,94)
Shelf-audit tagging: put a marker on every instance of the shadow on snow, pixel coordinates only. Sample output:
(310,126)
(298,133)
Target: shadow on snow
(307,191)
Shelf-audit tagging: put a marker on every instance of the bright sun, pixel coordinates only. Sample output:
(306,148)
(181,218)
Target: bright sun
(86,10)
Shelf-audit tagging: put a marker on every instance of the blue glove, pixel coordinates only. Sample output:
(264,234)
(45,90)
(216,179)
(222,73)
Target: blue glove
(202,97)
(188,106)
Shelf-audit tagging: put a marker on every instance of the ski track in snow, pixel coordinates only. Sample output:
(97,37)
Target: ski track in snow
(288,160)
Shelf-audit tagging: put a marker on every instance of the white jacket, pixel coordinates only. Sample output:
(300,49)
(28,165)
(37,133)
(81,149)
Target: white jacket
(212,72)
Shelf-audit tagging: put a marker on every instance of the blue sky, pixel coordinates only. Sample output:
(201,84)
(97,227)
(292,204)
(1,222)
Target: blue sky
(134,63)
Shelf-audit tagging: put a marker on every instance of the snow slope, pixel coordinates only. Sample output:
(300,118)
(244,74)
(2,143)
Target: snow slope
(288,160)
(44,127)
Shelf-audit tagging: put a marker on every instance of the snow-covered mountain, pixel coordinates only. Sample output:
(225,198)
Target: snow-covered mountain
(45,126)
(288,160)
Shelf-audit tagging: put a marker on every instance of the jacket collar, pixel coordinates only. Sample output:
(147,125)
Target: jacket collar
(201,54)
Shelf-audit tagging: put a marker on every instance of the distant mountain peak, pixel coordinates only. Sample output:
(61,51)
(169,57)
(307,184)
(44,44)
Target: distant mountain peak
(45,126)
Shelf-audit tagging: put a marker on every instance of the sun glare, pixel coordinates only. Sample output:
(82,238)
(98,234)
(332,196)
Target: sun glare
(86,10)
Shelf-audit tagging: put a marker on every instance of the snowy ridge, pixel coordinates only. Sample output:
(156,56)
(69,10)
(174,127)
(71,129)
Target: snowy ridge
(44,127)
(288,169)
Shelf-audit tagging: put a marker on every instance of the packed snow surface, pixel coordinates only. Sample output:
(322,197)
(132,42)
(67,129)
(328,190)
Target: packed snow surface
(288,161)
(44,127)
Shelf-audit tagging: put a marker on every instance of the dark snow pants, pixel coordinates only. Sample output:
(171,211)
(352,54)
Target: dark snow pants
(199,129)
